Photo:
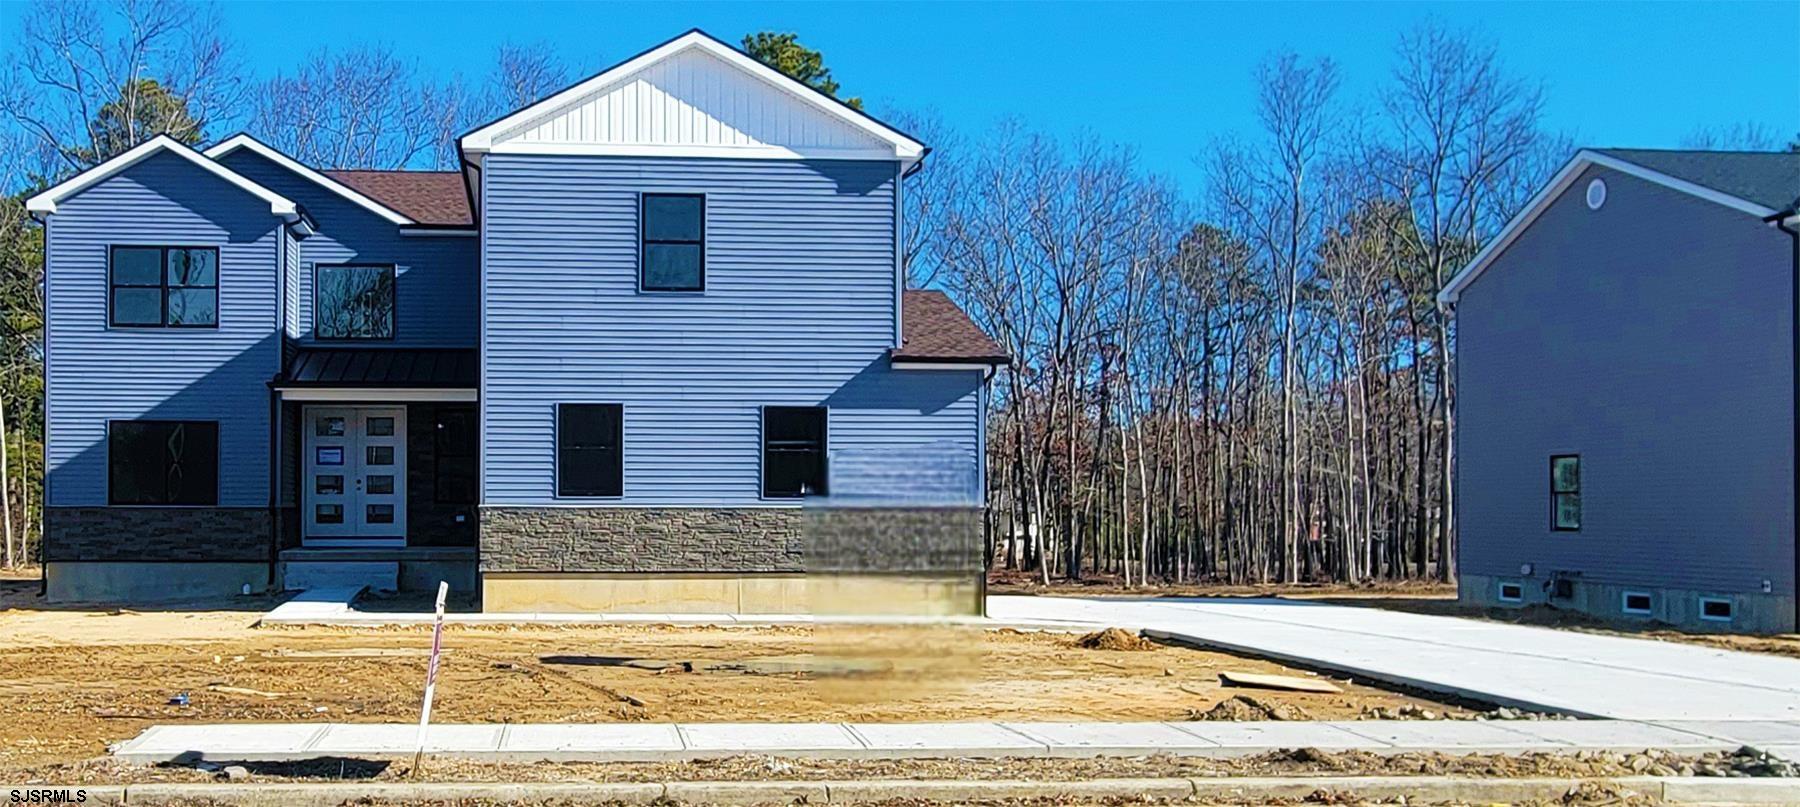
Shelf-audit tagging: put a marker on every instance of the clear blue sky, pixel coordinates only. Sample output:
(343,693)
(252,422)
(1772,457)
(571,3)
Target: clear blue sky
(1163,77)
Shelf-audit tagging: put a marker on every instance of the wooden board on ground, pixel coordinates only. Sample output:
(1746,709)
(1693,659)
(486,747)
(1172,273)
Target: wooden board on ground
(1286,682)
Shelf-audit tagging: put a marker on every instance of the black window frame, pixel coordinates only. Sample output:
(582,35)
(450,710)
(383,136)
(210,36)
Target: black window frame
(162,284)
(393,271)
(1556,494)
(113,455)
(821,475)
(441,452)
(564,489)
(644,241)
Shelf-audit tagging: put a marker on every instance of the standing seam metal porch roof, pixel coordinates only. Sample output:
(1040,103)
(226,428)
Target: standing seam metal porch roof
(453,368)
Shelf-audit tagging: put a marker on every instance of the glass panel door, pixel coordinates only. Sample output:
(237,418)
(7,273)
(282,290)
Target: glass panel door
(329,461)
(354,476)
(382,481)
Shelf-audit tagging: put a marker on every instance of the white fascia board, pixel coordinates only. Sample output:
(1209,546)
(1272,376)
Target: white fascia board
(920,364)
(1452,291)
(649,150)
(244,141)
(488,137)
(376,394)
(45,203)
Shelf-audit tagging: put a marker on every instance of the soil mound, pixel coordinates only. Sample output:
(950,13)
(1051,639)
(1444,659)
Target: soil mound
(1115,639)
(1245,707)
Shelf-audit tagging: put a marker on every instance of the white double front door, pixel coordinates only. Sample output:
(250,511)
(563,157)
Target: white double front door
(354,485)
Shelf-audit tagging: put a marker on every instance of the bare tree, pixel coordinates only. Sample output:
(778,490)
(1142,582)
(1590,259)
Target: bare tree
(523,75)
(1740,136)
(1460,126)
(1268,196)
(362,107)
(928,195)
(92,79)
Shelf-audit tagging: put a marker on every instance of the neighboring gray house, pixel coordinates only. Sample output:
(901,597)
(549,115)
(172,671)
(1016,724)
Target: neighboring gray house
(600,367)
(1626,393)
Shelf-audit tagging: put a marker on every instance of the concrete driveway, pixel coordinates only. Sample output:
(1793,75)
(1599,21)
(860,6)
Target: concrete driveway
(1536,668)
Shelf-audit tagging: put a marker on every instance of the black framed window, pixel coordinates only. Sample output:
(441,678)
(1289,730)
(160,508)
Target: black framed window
(672,249)
(1565,492)
(353,301)
(590,453)
(794,441)
(152,462)
(163,287)
(453,481)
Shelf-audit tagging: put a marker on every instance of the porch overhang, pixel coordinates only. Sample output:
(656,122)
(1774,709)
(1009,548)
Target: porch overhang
(378,394)
(379,374)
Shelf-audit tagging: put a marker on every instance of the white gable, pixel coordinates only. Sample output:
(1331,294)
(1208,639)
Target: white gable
(45,203)
(694,96)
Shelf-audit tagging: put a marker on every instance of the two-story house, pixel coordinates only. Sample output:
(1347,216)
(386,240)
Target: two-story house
(650,349)
(1626,387)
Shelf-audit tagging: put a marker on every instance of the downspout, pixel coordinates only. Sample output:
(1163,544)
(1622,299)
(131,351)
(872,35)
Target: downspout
(44,452)
(275,520)
(1791,226)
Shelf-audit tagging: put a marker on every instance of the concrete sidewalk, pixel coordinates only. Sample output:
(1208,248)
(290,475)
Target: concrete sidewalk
(1214,790)
(642,742)
(336,608)
(1535,668)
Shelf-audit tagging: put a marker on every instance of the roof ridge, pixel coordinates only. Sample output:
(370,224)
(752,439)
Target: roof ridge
(1772,152)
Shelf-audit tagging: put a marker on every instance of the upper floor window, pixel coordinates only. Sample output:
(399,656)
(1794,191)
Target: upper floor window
(353,302)
(1565,492)
(152,462)
(590,452)
(794,451)
(164,287)
(672,252)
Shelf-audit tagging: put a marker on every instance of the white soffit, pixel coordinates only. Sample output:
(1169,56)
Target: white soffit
(46,202)
(693,96)
(244,141)
(1554,189)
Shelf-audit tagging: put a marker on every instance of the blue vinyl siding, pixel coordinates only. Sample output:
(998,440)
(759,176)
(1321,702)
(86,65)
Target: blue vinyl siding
(96,373)
(434,275)
(1654,338)
(799,309)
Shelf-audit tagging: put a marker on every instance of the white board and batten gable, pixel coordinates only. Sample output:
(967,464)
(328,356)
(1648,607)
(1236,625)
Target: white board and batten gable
(693,96)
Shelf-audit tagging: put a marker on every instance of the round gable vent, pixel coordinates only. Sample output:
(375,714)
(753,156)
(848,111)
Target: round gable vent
(1596,194)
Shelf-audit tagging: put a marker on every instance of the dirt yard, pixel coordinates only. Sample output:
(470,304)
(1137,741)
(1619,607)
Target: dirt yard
(74,681)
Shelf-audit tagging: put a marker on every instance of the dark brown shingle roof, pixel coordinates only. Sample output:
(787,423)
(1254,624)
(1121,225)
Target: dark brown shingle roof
(427,197)
(935,330)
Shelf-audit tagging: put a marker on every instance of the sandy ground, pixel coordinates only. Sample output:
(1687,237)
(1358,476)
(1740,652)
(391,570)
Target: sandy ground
(74,681)
(1296,762)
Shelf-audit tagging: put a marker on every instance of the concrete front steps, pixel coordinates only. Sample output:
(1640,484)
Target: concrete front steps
(644,742)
